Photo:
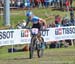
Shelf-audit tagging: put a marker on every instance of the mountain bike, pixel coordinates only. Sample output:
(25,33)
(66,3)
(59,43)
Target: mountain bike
(37,43)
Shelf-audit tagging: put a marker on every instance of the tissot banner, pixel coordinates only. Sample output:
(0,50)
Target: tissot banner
(23,36)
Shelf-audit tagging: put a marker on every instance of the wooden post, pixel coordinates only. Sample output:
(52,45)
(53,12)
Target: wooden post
(72,43)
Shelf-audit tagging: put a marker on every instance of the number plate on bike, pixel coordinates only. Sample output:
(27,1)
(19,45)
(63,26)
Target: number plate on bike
(34,31)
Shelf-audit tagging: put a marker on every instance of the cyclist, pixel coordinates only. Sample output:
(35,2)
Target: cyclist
(37,24)
(36,21)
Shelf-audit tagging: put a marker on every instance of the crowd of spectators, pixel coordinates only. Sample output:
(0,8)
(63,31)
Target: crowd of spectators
(66,20)
(39,3)
(61,22)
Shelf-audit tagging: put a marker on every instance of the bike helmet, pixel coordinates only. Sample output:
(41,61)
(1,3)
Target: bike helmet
(28,13)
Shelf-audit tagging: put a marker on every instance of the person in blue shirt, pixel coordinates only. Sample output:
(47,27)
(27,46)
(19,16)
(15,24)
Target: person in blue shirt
(36,21)
(72,19)
(27,3)
(66,21)
(46,3)
(36,35)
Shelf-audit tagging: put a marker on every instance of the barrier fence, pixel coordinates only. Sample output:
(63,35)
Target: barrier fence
(23,36)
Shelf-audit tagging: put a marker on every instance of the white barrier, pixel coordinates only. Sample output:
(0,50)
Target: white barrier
(16,36)
(62,33)
(23,36)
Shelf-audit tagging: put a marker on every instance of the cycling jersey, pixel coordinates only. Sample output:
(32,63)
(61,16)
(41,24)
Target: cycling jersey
(34,19)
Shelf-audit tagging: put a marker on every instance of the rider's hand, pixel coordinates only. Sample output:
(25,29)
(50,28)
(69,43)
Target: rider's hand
(44,27)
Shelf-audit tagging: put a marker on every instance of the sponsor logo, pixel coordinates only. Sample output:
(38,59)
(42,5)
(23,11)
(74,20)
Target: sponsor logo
(45,32)
(6,34)
(68,30)
(58,31)
(25,33)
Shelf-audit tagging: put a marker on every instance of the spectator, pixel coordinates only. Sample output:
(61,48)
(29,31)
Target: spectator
(56,3)
(18,3)
(42,3)
(37,3)
(27,4)
(13,3)
(51,2)
(67,5)
(1,3)
(65,21)
(71,1)
(57,20)
(61,4)
(72,20)
(32,3)
(58,24)
(46,3)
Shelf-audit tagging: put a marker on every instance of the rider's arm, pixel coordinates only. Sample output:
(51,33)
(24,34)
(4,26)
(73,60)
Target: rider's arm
(27,22)
(43,21)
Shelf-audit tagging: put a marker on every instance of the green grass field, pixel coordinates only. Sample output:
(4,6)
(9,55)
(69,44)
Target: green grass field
(51,56)
(19,15)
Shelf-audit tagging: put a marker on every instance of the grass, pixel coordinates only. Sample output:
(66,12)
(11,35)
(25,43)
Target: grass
(51,56)
(19,15)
